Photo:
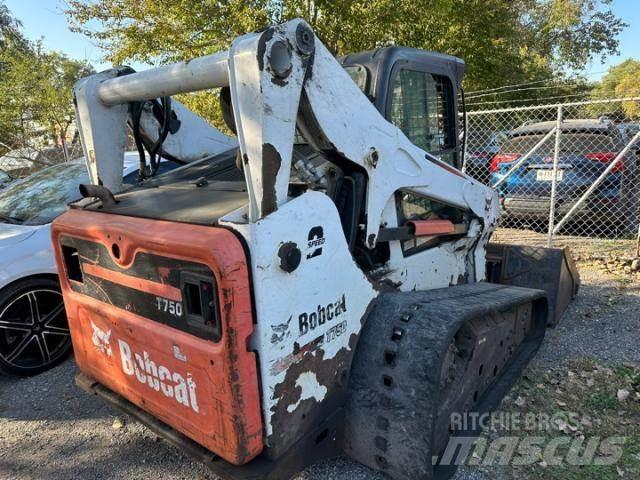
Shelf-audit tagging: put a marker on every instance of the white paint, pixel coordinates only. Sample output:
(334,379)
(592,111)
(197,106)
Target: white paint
(104,153)
(101,340)
(159,377)
(195,140)
(311,388)
(318,281)
(265,113)
(178,354)
(351,123)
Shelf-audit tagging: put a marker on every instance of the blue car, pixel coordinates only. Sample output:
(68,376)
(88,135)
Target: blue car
(587,148)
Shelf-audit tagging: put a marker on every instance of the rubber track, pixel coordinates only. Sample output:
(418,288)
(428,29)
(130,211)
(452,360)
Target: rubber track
(396,372)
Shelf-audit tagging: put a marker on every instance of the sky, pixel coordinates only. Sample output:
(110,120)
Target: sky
(44,19)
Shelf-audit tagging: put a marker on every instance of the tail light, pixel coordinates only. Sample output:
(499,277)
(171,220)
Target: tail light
(606,157)
(503,158)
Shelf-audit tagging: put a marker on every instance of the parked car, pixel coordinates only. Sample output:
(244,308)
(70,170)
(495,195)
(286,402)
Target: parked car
(632,128)
(4,179)
(629,131)
(587,148)
(479,157)
(33,326)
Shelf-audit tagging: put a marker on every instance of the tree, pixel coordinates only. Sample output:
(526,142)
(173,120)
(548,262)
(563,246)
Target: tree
(629,86)
(10,33)
(35,89)
(53,105)
(621,81)
(36,92)
(502,41)
(12,43)
(515,37)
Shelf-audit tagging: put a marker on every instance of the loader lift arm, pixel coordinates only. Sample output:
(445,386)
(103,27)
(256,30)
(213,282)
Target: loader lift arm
(279,79)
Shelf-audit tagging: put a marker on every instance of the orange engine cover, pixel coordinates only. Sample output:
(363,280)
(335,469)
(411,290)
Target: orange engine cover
(160,313)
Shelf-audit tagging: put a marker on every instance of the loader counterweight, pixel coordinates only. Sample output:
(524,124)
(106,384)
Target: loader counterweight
(127,283)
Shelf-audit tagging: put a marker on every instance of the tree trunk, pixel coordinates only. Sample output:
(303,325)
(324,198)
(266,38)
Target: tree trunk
(63,140)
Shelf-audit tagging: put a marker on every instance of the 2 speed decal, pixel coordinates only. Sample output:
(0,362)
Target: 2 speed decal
(315,241)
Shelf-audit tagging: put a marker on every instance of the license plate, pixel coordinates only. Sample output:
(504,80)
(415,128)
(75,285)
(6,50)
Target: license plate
(547,175)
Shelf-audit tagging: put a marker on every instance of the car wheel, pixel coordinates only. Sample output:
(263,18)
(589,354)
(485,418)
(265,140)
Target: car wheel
(34,333)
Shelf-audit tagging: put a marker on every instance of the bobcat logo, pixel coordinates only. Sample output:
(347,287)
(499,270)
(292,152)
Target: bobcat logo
(101,340)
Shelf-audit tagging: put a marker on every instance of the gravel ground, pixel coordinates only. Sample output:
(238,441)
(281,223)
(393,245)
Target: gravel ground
(49,429)
(603,322)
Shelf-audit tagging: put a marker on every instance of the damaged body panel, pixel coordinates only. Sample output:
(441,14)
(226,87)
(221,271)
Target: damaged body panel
(308,319)
(137,301)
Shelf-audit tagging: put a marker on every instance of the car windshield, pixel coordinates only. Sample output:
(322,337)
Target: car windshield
(41,197)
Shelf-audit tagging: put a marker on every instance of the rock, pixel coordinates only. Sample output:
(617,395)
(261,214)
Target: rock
(520,401)
(117,424)
(635,265)
(586,421)
(622,395)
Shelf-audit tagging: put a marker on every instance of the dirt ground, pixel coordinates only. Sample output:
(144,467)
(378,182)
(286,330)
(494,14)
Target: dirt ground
(49,429)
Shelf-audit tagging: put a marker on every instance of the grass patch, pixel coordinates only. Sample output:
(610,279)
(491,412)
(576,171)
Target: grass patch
(601,402)
(585,396)
(624,280)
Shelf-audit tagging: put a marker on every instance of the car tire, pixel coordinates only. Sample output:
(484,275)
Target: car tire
(34,333)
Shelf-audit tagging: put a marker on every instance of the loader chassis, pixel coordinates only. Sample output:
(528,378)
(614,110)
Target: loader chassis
(269,297)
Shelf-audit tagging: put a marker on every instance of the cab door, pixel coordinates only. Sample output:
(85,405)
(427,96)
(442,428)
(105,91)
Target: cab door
(422,105)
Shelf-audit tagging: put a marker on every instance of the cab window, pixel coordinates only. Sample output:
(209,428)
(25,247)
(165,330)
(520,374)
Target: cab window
(421,107)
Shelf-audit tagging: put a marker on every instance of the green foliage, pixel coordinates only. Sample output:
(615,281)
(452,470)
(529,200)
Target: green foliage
(35,88)
(601,401)
(616,75)
(621,81)
(10,33)
(502,41)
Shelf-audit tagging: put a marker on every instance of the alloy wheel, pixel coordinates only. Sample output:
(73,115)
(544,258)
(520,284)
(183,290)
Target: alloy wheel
(33,330)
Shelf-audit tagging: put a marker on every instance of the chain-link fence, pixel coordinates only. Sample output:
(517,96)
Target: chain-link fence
(564,169)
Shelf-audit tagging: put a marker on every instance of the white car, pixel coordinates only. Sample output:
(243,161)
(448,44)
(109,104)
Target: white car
(5,179)
(33,328)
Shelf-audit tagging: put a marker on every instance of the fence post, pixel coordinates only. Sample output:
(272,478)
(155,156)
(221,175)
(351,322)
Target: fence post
(554,177)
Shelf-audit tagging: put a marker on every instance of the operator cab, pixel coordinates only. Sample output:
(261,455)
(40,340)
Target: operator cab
(416,90)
